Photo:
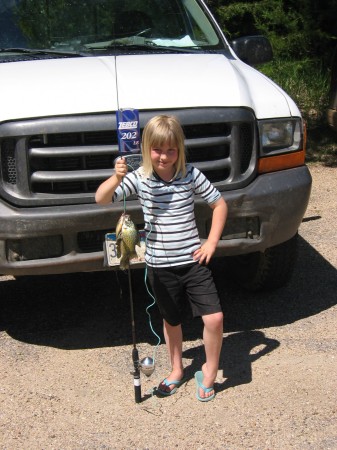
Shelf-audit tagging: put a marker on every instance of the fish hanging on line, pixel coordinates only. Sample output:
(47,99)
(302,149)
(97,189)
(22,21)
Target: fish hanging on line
(127,237)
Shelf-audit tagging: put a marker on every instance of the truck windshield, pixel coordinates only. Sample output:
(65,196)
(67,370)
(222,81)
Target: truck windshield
(103,25)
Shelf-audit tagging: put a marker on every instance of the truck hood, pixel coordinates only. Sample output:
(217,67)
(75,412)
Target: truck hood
(104,84)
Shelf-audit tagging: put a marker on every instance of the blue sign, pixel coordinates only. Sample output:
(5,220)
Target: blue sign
(128,130)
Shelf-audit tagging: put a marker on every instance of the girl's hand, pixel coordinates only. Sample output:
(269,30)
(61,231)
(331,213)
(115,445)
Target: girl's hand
(204,253)
(219,216)
(106,190)
(121,168)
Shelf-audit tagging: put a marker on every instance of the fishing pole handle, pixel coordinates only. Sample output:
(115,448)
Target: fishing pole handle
(133,161)
(136,373)
(137,386)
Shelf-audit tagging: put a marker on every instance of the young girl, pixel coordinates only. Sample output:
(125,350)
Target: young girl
(175,258)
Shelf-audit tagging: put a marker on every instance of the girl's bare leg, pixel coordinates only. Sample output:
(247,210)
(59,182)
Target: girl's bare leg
(174,343)
(213,335)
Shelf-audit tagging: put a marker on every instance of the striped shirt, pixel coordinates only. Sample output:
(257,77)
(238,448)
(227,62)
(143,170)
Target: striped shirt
(168,208)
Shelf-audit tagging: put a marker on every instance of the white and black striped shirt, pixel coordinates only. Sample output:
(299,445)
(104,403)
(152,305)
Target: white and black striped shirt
(168,208)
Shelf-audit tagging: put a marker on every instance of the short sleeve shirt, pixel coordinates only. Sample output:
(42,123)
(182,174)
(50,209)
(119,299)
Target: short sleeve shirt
(168,207)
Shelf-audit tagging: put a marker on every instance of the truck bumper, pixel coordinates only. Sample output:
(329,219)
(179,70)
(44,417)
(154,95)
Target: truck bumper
(64,239)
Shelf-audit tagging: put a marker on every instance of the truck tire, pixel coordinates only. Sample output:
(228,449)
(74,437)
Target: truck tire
(271,269)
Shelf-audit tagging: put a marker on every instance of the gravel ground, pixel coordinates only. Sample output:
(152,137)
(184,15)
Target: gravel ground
(65,359)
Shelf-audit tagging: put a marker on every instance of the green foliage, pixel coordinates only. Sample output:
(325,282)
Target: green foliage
(306,81)
(284,28)
(296,28)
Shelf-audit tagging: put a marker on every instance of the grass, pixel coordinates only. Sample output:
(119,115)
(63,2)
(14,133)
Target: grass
(307,82)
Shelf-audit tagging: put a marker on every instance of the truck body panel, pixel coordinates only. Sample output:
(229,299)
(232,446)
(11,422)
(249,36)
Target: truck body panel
(105,84)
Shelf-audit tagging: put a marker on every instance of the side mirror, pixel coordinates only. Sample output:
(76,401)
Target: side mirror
(253,50)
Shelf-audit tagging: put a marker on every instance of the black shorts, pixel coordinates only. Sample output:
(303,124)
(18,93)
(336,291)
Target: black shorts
(172,285)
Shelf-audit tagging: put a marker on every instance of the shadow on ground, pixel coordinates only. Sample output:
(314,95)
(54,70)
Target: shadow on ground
(238,352)
(88,311)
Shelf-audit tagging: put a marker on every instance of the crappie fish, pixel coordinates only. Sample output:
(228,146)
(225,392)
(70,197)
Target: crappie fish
(127,237)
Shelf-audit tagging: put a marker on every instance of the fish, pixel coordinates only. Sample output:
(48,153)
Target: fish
(127,237)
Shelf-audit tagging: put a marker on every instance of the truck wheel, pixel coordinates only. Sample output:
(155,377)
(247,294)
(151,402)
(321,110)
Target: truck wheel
(271,269)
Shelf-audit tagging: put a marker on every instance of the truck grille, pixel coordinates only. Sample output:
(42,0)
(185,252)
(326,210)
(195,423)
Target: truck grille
(62,160)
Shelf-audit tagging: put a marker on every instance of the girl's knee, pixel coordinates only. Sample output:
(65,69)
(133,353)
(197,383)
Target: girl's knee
(213,321)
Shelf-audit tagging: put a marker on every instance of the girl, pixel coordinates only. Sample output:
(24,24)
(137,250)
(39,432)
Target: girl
(175,258)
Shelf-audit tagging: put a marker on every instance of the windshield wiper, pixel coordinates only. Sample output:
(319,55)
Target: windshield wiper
(195,49)
(144,47)
(119,45)
(35,51)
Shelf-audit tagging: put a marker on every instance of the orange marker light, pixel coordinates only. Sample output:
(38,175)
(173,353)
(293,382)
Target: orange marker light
(280,162)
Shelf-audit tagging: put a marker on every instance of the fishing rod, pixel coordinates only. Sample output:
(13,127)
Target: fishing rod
(146,365)
(128,131)
(135,355)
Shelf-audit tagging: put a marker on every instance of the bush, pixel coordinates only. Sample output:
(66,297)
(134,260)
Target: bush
(297,29)
(306,81)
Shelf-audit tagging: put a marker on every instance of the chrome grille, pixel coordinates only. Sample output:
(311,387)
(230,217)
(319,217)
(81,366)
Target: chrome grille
(66,158)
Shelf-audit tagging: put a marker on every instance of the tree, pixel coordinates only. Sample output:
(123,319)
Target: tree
(296,28)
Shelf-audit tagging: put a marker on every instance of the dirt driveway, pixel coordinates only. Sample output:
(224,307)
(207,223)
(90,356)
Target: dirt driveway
(65,359)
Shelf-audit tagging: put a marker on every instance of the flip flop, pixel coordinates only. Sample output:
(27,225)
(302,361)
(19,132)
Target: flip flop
(168,383)
(199,377)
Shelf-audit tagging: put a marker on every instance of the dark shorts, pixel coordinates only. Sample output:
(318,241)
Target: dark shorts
(172,285)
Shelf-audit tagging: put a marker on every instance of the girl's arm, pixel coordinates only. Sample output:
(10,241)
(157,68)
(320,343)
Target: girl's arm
(107,189)
(206,251)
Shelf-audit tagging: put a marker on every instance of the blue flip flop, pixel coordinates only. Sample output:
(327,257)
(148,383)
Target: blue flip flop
(199,377)
(168,383)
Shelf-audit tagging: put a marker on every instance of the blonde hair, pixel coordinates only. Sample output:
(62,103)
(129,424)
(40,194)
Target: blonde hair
(161,130)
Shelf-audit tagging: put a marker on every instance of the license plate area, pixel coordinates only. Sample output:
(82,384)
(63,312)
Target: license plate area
(110,250)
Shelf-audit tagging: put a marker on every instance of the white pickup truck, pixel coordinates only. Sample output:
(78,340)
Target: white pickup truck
(66,67)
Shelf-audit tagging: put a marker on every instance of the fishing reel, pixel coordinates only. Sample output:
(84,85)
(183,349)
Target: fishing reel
(146,365)
(133,160)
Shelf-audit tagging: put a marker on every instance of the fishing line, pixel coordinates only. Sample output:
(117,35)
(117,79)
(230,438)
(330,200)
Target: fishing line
(153,298)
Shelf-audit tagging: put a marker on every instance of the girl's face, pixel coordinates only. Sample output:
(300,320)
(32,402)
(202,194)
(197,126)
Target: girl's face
(163,160)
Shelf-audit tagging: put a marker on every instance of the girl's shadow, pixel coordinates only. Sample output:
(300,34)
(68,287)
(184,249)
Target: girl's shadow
(239,351)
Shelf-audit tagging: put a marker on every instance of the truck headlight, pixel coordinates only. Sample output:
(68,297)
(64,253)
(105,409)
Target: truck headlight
(279,136)
(282,144)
